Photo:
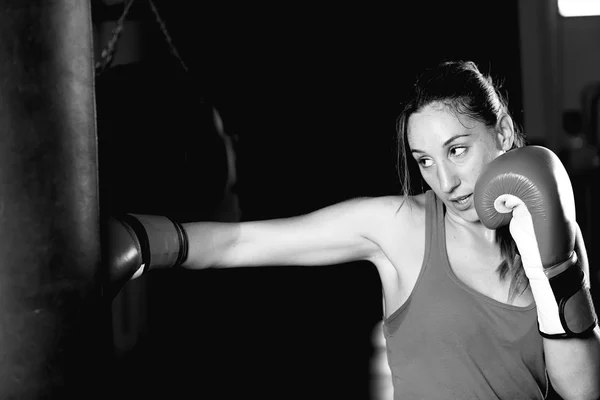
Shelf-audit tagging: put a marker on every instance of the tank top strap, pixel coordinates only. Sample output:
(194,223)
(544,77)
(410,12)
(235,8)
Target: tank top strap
(435,236)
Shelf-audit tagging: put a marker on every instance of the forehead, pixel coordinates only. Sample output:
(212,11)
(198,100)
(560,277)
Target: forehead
(436,123)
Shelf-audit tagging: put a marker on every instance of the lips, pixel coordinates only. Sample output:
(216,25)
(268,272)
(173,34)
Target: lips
(462,203)
(460,198)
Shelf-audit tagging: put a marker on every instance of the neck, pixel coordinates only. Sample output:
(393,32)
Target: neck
(475,228)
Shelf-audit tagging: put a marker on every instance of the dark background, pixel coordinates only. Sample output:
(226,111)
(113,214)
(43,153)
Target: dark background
(312,93)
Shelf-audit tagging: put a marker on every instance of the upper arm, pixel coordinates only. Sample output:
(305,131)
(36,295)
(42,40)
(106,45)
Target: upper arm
(343,232)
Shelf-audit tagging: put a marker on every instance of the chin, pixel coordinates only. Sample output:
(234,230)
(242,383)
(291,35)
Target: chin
(469,215)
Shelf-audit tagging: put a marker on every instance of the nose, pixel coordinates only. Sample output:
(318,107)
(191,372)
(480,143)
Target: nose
(447,178)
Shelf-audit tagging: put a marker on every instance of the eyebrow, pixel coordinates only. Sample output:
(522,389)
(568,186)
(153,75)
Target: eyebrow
(446,143)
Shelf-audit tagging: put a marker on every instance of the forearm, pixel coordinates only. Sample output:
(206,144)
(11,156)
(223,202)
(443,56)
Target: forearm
(209,243)
(573,366)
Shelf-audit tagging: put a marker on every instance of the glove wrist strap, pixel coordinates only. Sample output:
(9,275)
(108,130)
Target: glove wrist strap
(564,303)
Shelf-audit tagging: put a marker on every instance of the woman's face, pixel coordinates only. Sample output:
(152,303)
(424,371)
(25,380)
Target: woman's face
(451,150)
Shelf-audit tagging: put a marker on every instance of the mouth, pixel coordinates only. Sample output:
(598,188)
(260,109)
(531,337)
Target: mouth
(461,199)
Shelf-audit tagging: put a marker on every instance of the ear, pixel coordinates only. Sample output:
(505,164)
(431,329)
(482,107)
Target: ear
(505,132)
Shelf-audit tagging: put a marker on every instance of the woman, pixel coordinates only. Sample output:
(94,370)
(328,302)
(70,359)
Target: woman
(461,319)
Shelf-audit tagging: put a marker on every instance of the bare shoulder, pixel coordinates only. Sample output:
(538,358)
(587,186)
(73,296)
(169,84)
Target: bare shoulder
(394,218)
(400,210)
(396,203)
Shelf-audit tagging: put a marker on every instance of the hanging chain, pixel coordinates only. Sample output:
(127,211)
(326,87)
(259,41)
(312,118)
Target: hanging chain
(166,35)
(106,57)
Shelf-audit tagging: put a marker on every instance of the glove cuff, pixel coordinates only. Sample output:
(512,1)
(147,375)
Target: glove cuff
(183,244)
(164,243)
(570,311)
(569,335)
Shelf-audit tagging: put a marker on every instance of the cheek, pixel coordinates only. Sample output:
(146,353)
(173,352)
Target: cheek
(475,172)
(477,167)
(427,178)
(430,178)
(491,149)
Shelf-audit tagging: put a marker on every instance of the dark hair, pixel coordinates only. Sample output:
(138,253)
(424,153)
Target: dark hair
(462,87)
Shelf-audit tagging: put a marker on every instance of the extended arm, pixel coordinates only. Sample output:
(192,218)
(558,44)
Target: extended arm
(340,233)
(336,234)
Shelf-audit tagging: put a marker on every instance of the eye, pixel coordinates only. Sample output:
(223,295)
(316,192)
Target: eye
(425,162)
(458,151)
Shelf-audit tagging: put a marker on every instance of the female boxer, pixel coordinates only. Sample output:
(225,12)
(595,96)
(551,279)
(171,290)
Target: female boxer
(484,276)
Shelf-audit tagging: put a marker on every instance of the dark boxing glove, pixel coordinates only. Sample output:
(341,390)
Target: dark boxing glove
(529,189)
(139,243)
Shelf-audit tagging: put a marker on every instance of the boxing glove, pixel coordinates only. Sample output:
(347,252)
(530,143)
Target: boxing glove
(139,243)
(529,189)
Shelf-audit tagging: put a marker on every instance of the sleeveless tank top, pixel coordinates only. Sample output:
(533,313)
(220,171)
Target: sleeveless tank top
(448,341)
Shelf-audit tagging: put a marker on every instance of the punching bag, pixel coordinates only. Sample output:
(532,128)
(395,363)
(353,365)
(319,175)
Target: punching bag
(162,152)
(51,324)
